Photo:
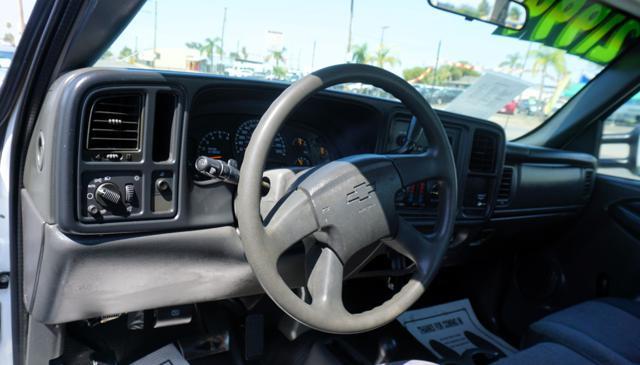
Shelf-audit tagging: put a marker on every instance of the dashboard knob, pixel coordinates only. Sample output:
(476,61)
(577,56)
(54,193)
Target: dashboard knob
(162,185)
(108,194)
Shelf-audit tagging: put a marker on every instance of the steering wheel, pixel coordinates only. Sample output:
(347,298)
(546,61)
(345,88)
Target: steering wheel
(347,205)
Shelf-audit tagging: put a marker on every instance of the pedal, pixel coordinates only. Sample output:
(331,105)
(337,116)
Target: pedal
(197,347)
(253,337)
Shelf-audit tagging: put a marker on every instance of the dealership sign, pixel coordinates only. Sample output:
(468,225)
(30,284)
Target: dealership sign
(584,28)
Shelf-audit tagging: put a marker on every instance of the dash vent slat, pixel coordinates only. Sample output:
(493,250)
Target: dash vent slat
(587,188)
(503,198)
(114,123)
(483,152)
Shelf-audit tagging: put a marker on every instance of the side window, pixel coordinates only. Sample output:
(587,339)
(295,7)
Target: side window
(619,153)
(13,18)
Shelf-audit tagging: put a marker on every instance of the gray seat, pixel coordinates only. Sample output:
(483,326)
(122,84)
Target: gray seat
(605,331)
(540,354)
(545,354)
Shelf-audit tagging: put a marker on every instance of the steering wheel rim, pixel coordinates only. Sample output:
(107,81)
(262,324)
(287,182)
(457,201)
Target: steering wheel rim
(311,210)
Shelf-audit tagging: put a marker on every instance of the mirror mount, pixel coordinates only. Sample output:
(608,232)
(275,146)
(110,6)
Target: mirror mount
(503,13)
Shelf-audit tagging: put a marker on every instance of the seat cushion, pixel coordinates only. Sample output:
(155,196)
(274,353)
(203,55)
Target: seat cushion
(545,354)
(606,331)
(540,354)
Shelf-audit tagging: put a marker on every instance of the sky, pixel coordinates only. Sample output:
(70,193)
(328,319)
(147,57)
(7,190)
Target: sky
(413,30)
(9,14)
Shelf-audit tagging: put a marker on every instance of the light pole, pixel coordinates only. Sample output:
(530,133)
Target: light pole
(224,24)
(382,30)
(350,27)
(155,33)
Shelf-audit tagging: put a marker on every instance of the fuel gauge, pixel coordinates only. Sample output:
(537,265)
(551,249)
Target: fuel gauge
(323,153)
(300,145)
(302,161)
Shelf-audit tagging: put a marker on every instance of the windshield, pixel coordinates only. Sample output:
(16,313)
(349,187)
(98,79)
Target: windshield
(467,67)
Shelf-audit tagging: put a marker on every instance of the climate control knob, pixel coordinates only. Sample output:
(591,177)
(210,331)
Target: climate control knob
(108,195)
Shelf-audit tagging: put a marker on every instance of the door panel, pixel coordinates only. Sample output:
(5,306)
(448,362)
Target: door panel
(602,257)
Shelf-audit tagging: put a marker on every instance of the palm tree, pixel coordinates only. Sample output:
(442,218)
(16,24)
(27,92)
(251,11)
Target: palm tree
(278,57)
(208,48)
(360,53)
(383,58)
(546,57)
(240,55)
(512,62)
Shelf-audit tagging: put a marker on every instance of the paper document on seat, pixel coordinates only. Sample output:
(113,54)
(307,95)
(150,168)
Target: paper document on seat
(451,329)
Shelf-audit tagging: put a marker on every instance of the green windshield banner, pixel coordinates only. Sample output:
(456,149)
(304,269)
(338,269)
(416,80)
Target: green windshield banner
(584,28)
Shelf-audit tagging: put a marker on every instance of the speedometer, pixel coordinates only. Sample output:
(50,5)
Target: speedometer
(243,136)
(215,144)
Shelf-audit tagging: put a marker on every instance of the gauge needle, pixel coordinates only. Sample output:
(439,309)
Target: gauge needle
(216,157)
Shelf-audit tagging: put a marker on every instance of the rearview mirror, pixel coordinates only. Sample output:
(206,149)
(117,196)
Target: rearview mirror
(503,13)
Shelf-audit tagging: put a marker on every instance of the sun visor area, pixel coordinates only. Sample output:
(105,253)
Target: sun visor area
(584,28)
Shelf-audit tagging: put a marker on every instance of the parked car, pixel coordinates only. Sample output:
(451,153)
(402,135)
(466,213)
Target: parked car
(446,95)
(509,108)
(529,107)
(627,114)
(427,91)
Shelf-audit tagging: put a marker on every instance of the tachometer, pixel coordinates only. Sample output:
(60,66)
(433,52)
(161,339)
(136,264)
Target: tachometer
(215,144)
(243,135)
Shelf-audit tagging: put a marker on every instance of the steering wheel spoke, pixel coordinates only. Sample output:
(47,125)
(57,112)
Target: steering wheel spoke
(291,220)
(415,168)
(413,244)
(325,283)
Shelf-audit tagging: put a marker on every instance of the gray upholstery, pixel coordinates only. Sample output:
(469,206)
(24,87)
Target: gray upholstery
(540,354)
(545,354)
(606,331)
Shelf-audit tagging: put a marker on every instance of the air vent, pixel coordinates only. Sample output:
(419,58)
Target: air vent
(588,183)
(114,123)
(483,152)
(504,190)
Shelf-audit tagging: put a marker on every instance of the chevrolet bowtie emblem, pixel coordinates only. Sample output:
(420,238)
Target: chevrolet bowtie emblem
(361,192)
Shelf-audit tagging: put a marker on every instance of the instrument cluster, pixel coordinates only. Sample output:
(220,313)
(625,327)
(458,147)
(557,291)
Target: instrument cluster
(227,137)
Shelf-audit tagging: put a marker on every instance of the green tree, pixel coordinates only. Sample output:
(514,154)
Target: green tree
(455,71)
(127,55)
(8,36)
(512,62)
(415,74)
(208,48)
(277,56)
(360,53)
(544,59)
(382,57)
(484,9)
(514,14)
(243,54)
(107,55)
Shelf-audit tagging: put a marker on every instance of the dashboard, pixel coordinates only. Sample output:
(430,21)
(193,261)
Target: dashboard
(226,137)
(113,207)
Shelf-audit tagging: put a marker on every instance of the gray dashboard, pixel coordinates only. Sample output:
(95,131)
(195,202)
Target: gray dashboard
(168,232)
